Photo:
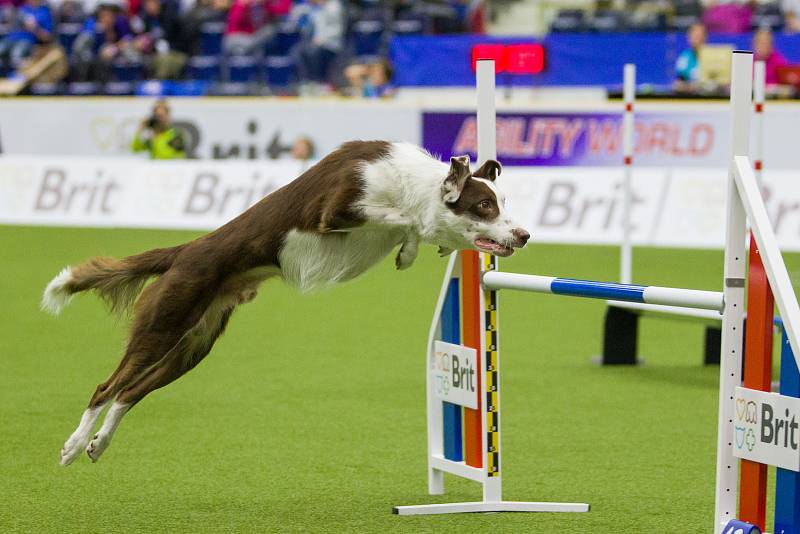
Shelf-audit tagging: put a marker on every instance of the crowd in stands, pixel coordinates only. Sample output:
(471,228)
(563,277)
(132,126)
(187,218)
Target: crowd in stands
(718,16)
(280,46)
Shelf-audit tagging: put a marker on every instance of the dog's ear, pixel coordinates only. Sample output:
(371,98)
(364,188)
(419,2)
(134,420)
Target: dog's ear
(456,178)
(489,170)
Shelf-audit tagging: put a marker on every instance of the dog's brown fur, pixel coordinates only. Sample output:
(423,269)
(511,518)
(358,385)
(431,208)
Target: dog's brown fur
(179,316)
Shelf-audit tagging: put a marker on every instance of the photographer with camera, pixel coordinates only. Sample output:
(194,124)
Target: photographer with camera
(158,136)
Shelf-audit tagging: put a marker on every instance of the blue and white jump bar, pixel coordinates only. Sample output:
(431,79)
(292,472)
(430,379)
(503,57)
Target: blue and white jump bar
(669,296)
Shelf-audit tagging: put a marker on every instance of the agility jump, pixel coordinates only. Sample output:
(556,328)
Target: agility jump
(621,322)
(464,421)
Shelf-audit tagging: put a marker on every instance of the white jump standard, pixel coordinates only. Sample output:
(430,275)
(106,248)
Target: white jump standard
(475,453)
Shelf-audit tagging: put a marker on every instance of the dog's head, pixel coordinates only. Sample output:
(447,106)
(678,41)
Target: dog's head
(474,210)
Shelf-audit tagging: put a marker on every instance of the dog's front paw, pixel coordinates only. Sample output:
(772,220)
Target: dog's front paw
(404,260)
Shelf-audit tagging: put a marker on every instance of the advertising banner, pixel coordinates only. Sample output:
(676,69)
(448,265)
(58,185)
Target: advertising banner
(214,128)
(682,207)
(676,138)
(132,193)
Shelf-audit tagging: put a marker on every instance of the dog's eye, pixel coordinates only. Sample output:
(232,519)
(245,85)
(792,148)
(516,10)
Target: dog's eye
(484,204)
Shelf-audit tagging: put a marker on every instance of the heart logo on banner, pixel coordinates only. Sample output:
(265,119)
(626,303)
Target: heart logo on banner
(741,408)
(102,130)
(739,437)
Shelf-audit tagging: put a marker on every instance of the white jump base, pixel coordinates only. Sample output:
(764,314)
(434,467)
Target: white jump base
(488,506)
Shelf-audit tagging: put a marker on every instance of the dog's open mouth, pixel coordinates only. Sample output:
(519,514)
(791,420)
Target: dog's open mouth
(484,244)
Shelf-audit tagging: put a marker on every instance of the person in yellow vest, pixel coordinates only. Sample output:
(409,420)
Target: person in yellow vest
(158,136)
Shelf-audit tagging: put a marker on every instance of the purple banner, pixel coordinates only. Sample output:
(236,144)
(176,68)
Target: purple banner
(585,139)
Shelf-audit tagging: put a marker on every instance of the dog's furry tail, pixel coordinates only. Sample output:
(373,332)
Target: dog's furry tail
(118,282)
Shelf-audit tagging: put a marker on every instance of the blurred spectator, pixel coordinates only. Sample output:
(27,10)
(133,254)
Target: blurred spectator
(105,37)
(158,136)
(251,23)
(728,16)
(159,34)
(303,149)
(71,10)
(327,39)
(33,24)
(370,80)
(687,67)
(791,13)
(195,16)
(764,50)
(450,16)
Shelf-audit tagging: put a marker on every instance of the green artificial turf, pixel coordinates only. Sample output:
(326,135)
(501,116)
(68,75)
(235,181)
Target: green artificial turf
(308,416)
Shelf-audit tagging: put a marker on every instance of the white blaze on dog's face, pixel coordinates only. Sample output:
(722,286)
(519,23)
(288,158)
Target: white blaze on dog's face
(476,212)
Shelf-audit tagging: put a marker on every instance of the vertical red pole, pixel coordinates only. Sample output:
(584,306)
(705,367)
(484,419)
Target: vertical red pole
(757,375)
(471,330)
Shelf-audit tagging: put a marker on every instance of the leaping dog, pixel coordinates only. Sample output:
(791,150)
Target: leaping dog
(331,224)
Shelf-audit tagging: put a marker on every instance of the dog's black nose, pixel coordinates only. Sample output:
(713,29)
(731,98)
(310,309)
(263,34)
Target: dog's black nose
(521,235)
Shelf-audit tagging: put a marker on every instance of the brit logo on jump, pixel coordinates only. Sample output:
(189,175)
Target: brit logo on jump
(766,428)
(454,369)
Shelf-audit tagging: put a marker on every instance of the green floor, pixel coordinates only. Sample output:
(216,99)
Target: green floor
(309,414)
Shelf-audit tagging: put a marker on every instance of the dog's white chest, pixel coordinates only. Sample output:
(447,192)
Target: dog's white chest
(311,261)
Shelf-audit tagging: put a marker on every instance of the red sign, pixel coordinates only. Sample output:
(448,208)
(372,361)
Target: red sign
(513,59)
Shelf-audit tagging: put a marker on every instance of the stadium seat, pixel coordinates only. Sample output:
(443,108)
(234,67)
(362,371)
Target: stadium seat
(286,38)
(408,26)
(211,38)
(768,16)
(45,89)
(67,33)
(241,69)
(686,13)
(606,21)
(120,88)
(280,71)
(367,37)
(128,71)
(205,68)
(231,89)
(82,89)
(568,20)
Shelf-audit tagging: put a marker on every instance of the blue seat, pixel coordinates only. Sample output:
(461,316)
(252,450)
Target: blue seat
(67,33)
(685,13)
(768,16)
(367,37)
(120,88)
(45,89)
(607,21)
(82,89)
(409,26)
(241,69)
(211,38)
(231,89)
(568,20)
(286,38)
(128,71)
(280,71)
(205,68)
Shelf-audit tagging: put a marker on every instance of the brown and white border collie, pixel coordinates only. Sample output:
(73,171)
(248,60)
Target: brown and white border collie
(329,225)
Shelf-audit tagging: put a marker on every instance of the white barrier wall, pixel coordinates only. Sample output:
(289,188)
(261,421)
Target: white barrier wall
(682,207)
(557,133)
(134,193)
(235,128)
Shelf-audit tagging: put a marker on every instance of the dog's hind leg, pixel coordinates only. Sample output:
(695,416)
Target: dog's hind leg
(80,438)
(190,349)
